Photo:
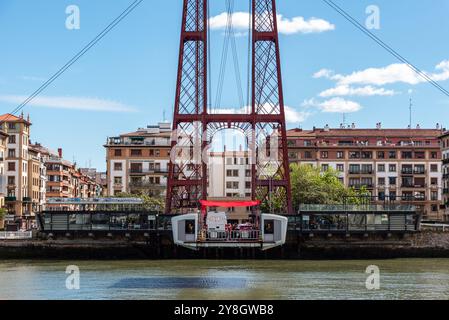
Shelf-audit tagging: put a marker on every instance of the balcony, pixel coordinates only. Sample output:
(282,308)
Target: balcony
(146,185)
(407,171)
(147,171)
(10,199)
(361,185)
(413,186)
(446,161)
(27,199)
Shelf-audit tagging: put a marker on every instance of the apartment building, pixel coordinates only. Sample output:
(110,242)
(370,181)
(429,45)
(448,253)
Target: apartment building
(37,180)
(3,139)
(16,166)
(399,164)
(229,175)
(138,162)
(444,142)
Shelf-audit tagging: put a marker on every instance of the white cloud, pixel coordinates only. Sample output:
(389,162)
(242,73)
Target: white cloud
(70,103)
(291,114)
(334,105)
(367,91)
(393,73)
(241,20)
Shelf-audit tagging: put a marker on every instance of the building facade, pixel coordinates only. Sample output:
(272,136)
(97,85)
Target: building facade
(138,162)
(229,175)
(396,164)
(3,140)
(16,166)
(444,141)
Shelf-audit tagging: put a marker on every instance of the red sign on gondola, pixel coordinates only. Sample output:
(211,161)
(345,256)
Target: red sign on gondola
(229,204)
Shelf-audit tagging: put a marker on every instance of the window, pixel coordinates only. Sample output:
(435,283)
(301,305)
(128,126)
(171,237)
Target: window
(420,155)
(407,155)
(247,185)
(434,168)
(354,155)
(381,196)
(381,168)
(392,168)
(367,155)
(11,181)
(11,126)
(367,168)
(12,139)
(247,173)
(118,152)
(392,181)
(434,196)
(354,168)
(307,155)
(340,155)
(11,166)
(340,167)
(228,161)
(307,143)
(228,173)
(269,227)
(434,155)
(136,152)
(190,227)
(11,153)
(117,180)
(324,167)
(381,181)
(324,155)
(118,166)
(393,195)
(381,155)
(434,181)
(392,154)
(434,208)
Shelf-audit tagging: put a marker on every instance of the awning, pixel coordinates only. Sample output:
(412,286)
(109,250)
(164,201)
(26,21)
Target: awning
(229,204)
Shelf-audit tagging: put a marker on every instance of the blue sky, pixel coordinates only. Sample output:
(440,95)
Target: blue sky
(133,70)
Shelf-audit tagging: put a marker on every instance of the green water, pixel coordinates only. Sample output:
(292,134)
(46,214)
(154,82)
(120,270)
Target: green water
(399,279)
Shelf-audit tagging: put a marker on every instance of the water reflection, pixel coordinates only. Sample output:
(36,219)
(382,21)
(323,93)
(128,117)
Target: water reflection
(200,279)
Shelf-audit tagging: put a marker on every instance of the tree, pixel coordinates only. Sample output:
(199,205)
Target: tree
(311,186)
(149,203)
(3,213)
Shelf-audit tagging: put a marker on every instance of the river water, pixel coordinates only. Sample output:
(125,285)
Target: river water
(200,279)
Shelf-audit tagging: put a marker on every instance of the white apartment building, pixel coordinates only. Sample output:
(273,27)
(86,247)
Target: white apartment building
(229,175)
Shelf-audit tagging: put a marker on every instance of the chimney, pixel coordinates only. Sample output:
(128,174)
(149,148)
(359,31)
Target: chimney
(60,152)
(438,126)
(418,126)
(327,128)
(353,126)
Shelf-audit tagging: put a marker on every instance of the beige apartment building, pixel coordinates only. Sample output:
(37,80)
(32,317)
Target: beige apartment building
(35,201)
(16,166)
(138,162)
(3,139)
(444,141)
(397,164)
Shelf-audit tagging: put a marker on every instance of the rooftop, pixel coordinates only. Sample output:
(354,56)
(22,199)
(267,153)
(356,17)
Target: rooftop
(7,117)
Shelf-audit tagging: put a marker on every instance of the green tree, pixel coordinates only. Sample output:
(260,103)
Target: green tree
(311,186)
(3,213)
(149,203)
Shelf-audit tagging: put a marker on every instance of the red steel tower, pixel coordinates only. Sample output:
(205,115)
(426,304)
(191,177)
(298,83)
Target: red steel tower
(194,124)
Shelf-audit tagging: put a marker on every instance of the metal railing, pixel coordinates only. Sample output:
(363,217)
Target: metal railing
(357,208)
(235,235)
(20,235)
